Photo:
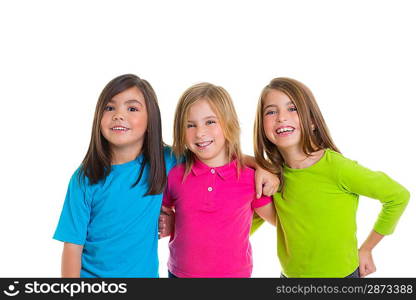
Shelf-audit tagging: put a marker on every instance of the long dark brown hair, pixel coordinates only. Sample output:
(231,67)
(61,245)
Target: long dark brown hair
(97,162)
(312,139)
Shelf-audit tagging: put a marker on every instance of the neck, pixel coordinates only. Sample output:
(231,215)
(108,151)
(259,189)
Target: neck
(123,155)
(295,158)
(220,161)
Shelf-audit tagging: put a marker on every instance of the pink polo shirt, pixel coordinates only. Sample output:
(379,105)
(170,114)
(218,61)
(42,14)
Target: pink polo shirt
(214,210)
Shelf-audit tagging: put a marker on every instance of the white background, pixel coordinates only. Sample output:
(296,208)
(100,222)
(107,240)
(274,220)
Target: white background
(358,57)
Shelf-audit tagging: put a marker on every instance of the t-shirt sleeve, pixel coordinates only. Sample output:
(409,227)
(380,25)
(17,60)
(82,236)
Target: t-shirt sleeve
(262,201)
(75,215)
(357,179)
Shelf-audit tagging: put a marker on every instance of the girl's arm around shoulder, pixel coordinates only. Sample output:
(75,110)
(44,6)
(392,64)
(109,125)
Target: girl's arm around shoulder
(71,260)
(266,183)
(166,221)
(266,210)
(167,212)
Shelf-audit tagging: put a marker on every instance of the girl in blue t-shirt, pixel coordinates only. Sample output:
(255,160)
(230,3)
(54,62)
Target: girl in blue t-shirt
(109,221)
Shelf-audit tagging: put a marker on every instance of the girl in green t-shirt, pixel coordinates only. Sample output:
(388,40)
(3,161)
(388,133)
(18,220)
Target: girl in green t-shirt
(317,202)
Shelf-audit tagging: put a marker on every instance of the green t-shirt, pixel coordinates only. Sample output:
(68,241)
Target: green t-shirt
(316,214)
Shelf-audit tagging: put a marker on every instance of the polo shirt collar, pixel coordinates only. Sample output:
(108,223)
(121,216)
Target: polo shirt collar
(225,172)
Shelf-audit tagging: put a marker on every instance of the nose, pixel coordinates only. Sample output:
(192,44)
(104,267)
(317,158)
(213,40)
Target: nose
(281,117)
(117,116)
(200,131)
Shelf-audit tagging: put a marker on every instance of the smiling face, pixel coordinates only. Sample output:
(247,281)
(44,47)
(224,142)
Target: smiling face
(124,120)
(204,136)
(280,120)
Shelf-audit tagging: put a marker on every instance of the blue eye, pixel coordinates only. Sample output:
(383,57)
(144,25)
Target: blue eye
(132,109)
(293,109)
(109,108)
(271,112)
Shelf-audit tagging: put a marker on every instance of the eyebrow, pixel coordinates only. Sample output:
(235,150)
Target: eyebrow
(274,105)
(129,101)
(208,117)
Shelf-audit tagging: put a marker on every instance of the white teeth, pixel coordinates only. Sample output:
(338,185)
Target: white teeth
(119,128)
(285,129)
(203,144)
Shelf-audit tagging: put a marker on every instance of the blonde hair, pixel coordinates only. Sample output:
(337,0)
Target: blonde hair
(222,105)
(312,138)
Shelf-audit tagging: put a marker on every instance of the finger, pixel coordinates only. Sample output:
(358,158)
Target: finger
(266,190)
(166,210)
(275,188)
(362,270)
(162,221)
(270,191)
(367,270)
(259,189)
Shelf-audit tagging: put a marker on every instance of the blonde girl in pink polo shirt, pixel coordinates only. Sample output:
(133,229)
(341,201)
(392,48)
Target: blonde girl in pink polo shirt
(212,193)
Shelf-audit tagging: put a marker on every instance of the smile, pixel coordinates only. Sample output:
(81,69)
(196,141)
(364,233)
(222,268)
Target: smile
(120,128)
(203,145)
(285,131)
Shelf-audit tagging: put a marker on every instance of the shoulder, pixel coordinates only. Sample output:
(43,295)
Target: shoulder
(177,171)
(170,159)
(79,181)
(79,178)
(247,174)
(79,187)
(247,171)
(346,169)
(339,160)
(168,153)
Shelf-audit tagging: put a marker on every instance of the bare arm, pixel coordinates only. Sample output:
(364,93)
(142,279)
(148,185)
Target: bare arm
(71,260)
(266,183)
(166,221)
(267,212)
(367,265)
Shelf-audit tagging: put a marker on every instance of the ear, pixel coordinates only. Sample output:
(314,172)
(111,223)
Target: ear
(313,127)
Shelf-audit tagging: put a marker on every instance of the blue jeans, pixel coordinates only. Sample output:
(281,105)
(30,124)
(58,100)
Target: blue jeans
(170,275)
(355,274)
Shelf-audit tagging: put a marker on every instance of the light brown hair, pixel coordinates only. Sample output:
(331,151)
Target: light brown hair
(312,138)
(222,105)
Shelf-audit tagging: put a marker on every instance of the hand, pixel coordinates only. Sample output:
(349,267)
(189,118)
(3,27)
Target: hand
(367,265)
(266,183)
(166,222)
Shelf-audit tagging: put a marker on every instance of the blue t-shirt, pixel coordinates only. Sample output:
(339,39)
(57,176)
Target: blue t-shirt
(115,223)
